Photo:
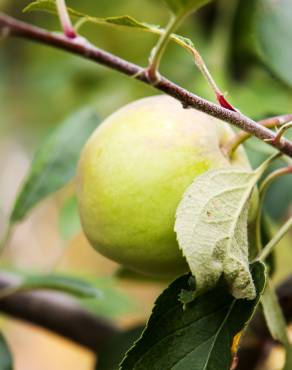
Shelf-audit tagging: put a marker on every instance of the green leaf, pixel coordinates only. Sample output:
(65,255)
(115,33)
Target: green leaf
(71,285)
(6,362)
(55,162)
(125,21)
(185,6)
(199,337)
(211,227)
(69,221)
(176,6)
(111,302)
(276,322)
(113,353)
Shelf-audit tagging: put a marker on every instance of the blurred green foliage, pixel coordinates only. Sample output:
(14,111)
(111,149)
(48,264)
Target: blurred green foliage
(40,86)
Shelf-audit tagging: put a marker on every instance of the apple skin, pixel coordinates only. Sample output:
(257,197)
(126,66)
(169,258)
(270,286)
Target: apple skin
(133,172)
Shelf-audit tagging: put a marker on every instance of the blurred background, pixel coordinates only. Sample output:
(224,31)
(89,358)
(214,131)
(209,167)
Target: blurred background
(40,86)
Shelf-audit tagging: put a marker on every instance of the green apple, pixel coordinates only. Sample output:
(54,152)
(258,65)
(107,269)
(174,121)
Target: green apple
(132,175)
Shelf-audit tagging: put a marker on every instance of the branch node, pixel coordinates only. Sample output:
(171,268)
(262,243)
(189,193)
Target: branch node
(153,77)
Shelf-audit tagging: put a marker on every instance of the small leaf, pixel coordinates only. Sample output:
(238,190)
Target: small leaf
(55,162)
(6,362)
(211,227)
(185,6)
(199,337)
(69,221)
(176,6)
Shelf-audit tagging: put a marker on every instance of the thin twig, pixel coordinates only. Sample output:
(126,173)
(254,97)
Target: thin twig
(83,48)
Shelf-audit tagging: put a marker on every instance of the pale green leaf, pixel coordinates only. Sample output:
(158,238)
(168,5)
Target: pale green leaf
(276,321)
(6,362)
(55,162)
(211,227)
(71,285)
(124,20)
(99,295)
(22,281)
(69,221)
(185,6)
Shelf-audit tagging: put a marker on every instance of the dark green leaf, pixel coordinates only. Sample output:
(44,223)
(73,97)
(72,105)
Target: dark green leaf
(111,303)
(55,162)
(6,362)
(112,354)
(69,222)
(199,337)
(124,20)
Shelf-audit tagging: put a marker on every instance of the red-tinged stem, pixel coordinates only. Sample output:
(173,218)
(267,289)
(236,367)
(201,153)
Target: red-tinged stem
(65,19)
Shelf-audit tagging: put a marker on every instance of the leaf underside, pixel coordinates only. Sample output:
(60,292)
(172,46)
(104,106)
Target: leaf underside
(211,227)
